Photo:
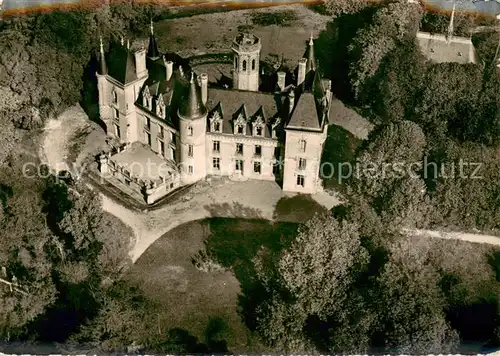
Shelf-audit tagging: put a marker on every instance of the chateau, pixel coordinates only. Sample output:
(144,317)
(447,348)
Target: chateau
(176,129)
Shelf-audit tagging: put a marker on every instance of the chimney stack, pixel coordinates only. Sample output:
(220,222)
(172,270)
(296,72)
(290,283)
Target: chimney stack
(169,67)
(291,101)
(204,87)
(140,63)
(302,71)
(281,80)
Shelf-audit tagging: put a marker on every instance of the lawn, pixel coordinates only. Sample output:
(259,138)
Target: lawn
(213,33)
(191,299)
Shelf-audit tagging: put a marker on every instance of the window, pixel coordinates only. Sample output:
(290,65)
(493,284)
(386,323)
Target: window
(160,132)
(172,154)
(148,137)
(148,123)
(216,163)
(302,164)
(302,145)
(238,165)
(258,151)
(258,131)
(115,97)
(239,148)
(127,182)
(171,185)
(172,138)
(190,169)
(190,131)
(300,180)
(116,112)
(217,127)
(236,63)
(216,146)
(253,64)
(117,130)
(244,65)
(161,147)
(256,167)
(240,129)
(190,150)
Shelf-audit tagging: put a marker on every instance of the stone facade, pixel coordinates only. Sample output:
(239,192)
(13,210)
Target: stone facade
(160,102)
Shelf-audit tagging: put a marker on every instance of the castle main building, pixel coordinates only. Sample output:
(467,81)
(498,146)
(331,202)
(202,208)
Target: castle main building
(176,129)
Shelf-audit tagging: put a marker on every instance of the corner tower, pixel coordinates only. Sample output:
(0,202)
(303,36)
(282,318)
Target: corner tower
(192,130)
(246,48)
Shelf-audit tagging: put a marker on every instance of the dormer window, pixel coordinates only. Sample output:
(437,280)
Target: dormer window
(190,131)
(160,107)
(275,127)
(147,100)
(240,125)
(258,125)
(258,131)
(217,127)
(215,122)
(240,129)
(115,97)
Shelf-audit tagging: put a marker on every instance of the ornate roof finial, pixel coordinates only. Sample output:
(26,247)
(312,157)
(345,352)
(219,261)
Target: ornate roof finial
(151,26)
(128,44)
(449,35)
(311,42)
(192,77)
(122,40)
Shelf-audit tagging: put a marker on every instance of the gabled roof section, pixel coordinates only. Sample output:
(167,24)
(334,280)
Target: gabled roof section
(437,49)
(121,64)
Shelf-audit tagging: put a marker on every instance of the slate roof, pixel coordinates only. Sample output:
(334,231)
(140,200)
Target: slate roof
(435,48)
(191,105)
(153,51)
(121,64)
(230,103)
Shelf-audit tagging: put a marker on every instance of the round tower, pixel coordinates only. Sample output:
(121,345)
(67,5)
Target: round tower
(192,130)
(246,48)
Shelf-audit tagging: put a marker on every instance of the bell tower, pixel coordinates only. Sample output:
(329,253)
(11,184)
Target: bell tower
(246,48)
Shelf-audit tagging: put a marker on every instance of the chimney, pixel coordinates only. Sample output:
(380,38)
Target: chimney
(291,101)
(140,63)
(281,80)
(169,67)
(204,87)
(302,71)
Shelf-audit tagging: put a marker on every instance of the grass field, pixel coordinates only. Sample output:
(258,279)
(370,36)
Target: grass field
(213,33)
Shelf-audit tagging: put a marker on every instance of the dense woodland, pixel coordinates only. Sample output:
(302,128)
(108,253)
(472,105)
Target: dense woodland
(348,282)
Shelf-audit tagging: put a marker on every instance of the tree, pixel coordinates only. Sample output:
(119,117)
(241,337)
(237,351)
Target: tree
(390,25)
(313,279)
(344,7)
(411,304)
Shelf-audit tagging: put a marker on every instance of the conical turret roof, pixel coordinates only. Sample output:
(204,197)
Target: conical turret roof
(153,51)
(192,106)
(311,58)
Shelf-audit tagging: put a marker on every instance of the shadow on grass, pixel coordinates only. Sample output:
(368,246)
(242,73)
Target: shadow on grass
(297,209)
(235,209)
(338,156)
(235,243)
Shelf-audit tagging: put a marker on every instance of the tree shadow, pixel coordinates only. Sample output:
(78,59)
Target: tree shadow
(299,209)
(90,94)
(235,209)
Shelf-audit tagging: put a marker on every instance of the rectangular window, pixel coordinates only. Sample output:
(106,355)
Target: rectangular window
(148,137)
(161,147)
(216,146)
(172,138)
(172,154)
(302,164)
(217,127)
(258,131)
(116,112)
(300,180)
(239,148)
(148,124)
(256,167)
(190,150)
(160,132)
(216,163)
(190,169)
(240,129)
(117,130)
(238,165)
(258,151)
(190,131)
(302,144)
